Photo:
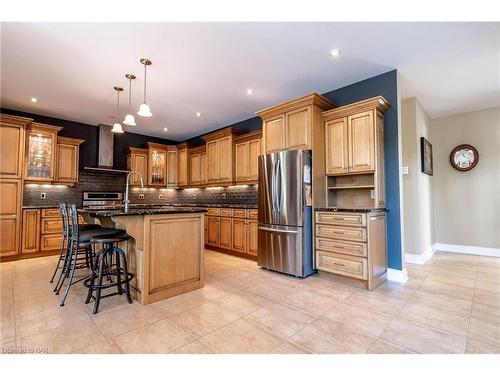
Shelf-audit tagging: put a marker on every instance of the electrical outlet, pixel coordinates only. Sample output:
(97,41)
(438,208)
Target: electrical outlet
(141,196)
(195,196)
(372,194)
(43,195)
(404,170)
(224,196)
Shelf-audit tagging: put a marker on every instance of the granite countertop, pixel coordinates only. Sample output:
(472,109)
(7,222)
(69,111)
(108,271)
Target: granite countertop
(143,211)
(242,206)
(357,209)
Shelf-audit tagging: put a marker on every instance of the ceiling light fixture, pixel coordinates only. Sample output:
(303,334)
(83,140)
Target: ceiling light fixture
(250,91)
(129,118)
(335,53)
(165,129)
(34,100)
(198,114)
(144,110)
(117,128)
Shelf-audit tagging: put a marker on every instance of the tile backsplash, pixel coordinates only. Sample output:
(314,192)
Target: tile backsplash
(90,181)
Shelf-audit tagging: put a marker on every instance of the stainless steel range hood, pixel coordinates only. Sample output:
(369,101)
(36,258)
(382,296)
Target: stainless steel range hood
(105,152)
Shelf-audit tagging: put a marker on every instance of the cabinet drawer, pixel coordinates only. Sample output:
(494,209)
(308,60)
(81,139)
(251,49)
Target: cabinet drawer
(50,242)
(342,265)
(239,213)
(341,218)
(341,233)
(213,212)
(350,248)
(253,214)
(51,212)
(51,225)
(226,212)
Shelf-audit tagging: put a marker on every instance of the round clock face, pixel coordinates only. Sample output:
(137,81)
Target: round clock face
(464,157)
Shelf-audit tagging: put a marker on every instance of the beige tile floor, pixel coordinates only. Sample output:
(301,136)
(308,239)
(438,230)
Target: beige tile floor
(450,305)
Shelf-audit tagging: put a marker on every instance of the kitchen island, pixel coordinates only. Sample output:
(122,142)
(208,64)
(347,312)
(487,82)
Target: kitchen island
(165,252)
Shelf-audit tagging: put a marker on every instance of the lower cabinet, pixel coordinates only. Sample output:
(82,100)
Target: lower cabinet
(41,230)
(232,230)
(10,216)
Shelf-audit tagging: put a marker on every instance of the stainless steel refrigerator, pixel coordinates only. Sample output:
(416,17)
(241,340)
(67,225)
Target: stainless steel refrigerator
(285,212)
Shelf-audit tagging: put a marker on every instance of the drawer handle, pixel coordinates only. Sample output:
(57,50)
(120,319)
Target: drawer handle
(336,232)
(338,247)
(339,264)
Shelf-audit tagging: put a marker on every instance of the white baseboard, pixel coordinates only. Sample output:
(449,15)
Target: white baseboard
(420,258)
(475,250)
(400,276)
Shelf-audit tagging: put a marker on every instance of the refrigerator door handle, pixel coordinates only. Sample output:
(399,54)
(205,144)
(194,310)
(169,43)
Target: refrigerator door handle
(279,230)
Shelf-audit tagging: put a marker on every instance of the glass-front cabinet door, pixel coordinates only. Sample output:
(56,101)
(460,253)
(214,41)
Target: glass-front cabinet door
(157,165)
(40,152)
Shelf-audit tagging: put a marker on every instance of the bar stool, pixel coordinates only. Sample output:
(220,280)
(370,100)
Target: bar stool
(63,211)
(110,264)
(79,241)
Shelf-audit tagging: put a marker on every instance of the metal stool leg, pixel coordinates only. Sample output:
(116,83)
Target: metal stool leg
(118,271)
(125,270)
(71,274)
(61,254)
(64,270)
(98,290)
(92,278)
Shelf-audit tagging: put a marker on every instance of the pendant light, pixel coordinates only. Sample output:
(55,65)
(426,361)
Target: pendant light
(144,110)
(117,128)
(129,118)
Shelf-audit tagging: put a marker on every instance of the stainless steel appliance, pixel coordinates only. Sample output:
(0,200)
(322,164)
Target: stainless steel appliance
(102,200)
(285,212)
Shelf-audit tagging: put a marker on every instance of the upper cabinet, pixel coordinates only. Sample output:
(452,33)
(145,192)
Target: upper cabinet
(12,135)
(198,165)
(182,164)
(157,165)
(354,154)
(294,124)
(67,159)
(41,145)
(247,148)
(220,155)
(137,160)
(171,166)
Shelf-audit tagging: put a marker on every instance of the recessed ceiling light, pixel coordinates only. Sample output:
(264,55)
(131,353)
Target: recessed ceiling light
(165,129)
(198,114)
(250,91)
(34,100)
(335,52)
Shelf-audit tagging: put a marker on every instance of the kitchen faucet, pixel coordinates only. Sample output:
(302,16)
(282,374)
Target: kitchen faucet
(126,201)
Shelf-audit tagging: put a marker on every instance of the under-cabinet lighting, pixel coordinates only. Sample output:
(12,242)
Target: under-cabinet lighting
(215,188)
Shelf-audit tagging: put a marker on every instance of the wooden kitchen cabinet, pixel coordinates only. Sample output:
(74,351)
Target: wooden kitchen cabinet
(157,165)
(352,245)
(137,160)
(41,147)
(354,154)
(197,165)
(295,124)
(182,164)
(67,160)
(247,150)
(12,145)
(253,237)
(10,216)
(240,235)
(220,155)
(171,166)
(213,226)
(31,231)
(225,232)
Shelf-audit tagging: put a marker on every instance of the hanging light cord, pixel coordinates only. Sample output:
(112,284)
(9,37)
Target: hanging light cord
(129,93)
(145,83)
(118,104)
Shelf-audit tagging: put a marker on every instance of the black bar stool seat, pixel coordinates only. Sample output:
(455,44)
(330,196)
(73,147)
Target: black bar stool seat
(109,269)
(87,235)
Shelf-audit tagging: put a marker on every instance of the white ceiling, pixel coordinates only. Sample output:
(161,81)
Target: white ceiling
(206,67)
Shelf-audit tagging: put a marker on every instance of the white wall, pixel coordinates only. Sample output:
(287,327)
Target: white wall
(417,186)
(466,205)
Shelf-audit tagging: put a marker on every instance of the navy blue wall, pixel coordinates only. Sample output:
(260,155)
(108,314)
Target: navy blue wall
(385,85)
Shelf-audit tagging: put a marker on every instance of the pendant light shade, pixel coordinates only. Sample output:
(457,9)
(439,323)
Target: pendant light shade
(117,128)
(129,118)
(144,110)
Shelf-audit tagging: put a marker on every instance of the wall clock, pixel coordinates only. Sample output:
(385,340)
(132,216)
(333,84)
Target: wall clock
(464,157)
